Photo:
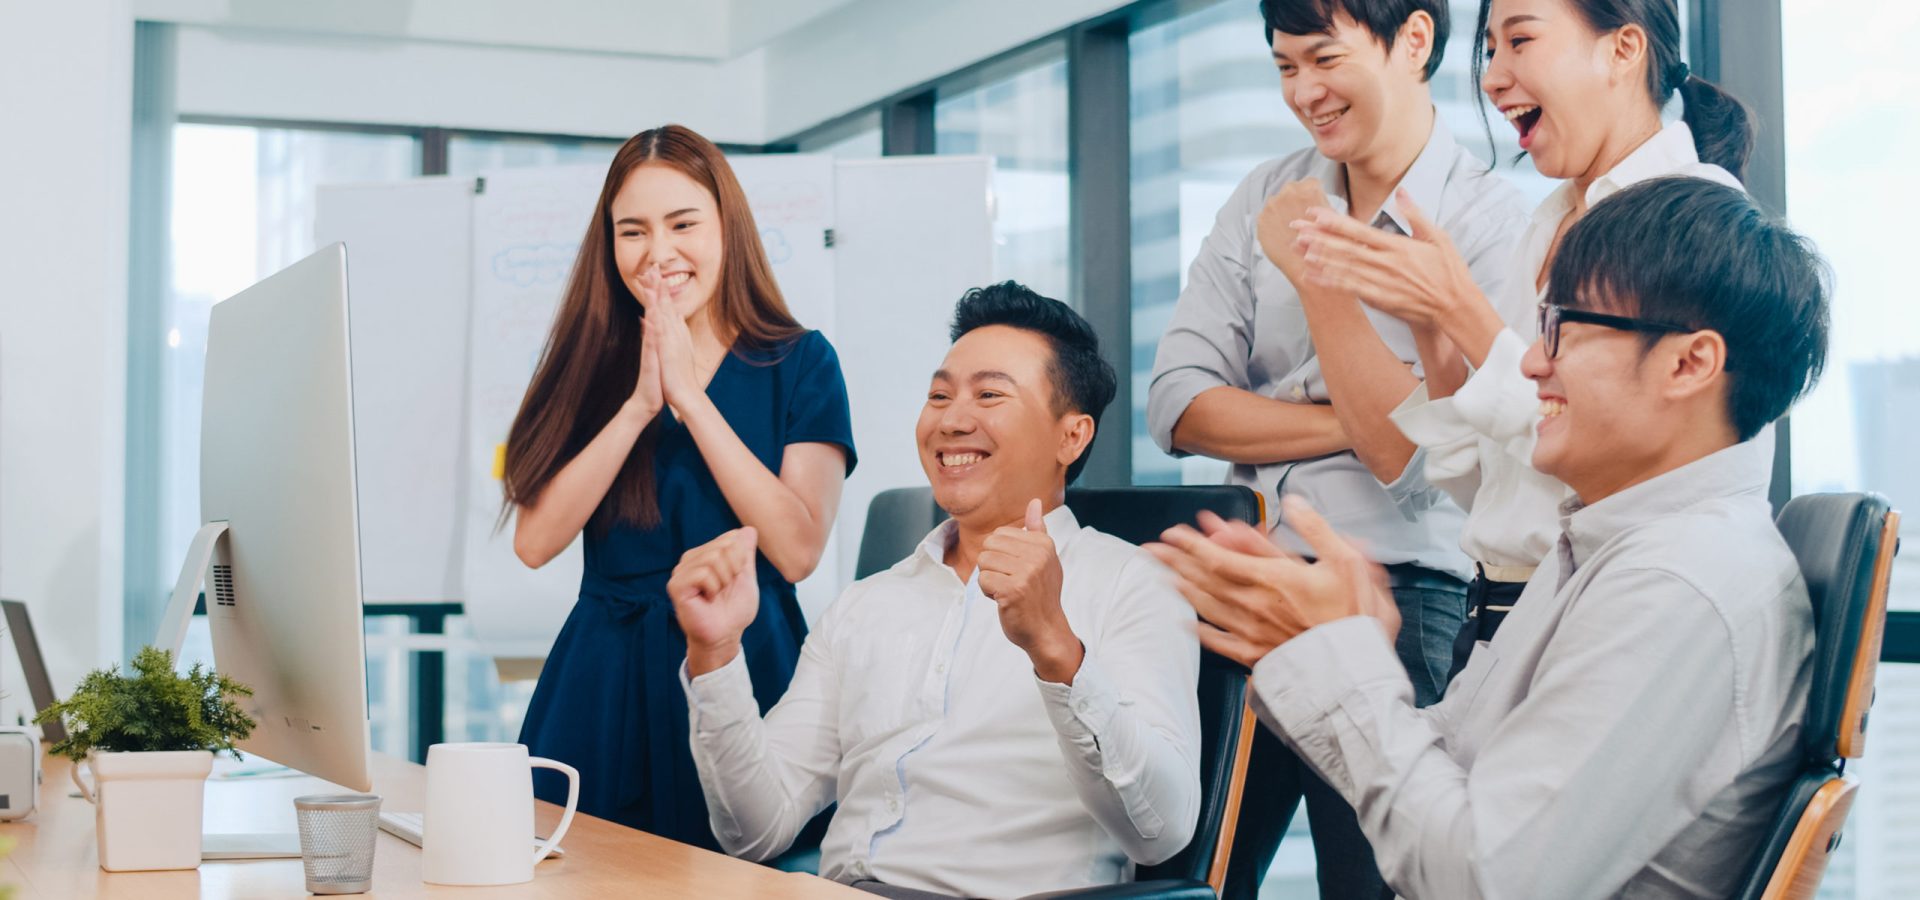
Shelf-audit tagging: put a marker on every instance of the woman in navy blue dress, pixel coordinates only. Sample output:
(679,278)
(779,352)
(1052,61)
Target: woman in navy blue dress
(677,399)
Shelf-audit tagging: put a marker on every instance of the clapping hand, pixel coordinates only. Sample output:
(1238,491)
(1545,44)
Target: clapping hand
(648,393)
(1415,279)
(1275,227)
(667,332)
(1253,596)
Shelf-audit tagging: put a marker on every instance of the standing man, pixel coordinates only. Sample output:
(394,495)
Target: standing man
(1294,386)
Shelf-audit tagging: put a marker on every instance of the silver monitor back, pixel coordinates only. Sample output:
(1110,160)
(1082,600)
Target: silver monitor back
(276,464)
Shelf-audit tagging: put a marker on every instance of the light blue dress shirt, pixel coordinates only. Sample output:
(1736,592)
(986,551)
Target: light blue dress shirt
(1239,323)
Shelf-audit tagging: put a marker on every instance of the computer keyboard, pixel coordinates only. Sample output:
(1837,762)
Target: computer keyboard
(408,826)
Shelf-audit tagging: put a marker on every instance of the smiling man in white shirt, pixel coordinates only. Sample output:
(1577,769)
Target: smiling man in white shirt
(1012,708)
(1633,727)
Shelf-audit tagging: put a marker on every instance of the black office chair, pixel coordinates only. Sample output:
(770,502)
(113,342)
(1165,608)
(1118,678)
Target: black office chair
(1845,544)
(899,519)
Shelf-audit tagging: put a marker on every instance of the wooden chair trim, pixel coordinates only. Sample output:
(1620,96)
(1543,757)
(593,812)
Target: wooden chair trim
(1797,875)
(1236,787)
(1866,658)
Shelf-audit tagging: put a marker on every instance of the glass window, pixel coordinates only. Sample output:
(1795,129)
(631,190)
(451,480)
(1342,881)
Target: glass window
(243,209)
(243,204)
(1875,857)
(473,154)
(1206,109)
(1017,114)
(1849,121)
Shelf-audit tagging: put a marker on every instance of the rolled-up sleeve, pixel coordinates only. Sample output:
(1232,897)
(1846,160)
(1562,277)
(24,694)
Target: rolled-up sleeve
(1561,800)
(1210,339)
(1129,724)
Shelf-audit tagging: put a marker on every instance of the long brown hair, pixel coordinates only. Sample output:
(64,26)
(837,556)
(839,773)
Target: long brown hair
(592,356)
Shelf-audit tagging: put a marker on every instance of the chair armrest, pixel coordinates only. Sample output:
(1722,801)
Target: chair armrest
(1159,889)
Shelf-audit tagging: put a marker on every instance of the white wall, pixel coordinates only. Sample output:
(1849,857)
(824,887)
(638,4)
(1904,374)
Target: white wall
(869,49)
(817,60)
(66,73)
(300,76)
(651,27)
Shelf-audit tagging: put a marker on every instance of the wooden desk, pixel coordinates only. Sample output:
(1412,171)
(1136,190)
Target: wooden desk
(54,855)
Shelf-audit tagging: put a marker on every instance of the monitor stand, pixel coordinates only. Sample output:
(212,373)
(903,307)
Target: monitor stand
(186,590)
(249,846)
(173,633)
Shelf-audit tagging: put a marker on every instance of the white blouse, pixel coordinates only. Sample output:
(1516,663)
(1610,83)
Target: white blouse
(1479,441)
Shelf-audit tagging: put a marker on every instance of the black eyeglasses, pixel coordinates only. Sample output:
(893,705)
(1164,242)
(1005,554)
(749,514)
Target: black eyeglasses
(1552,316)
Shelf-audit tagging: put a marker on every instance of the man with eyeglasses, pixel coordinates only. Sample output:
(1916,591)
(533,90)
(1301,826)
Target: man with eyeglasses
(1631,729)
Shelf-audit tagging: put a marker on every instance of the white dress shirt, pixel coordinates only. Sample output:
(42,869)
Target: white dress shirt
(1629,732)
(1479,442)
(956,768)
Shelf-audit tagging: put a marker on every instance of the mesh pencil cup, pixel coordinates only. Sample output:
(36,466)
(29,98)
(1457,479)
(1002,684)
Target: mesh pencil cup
(336,841)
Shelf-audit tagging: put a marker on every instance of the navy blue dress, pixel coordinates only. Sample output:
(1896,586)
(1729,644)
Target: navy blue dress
(609,701)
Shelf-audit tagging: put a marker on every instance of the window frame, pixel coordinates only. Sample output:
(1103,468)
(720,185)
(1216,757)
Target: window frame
(1100,198)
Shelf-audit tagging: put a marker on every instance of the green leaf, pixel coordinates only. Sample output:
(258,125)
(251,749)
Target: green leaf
(151,708)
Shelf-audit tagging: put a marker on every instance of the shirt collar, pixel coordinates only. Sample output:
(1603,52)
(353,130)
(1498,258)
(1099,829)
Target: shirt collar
(1670,150)
(1742,469)
(1062,526)
(1425,180)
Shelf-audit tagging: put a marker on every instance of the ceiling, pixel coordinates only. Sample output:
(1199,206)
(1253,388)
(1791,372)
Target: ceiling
(687,29)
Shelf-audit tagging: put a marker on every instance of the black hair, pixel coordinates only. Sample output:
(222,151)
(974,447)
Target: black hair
(1722,126)
(1699,254)
(1082,381)
(1382,18)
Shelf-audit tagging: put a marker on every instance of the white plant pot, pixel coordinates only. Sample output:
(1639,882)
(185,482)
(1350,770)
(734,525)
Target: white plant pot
(147,807)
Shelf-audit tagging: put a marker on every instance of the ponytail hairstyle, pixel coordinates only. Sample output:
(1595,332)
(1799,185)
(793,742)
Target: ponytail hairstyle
(1723,130)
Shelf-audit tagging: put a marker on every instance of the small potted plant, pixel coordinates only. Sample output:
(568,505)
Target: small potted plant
(149,737)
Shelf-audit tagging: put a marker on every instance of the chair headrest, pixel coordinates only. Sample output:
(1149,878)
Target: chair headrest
(1139,514)
(1837,540)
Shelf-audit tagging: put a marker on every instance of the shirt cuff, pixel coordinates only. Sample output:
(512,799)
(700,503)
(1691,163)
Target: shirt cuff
(1497,400)
(1082,710)
(1429,423)
(722,696)
(1302,680)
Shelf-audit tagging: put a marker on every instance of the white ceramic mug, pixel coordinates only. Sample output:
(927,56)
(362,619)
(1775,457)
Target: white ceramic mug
(479,816)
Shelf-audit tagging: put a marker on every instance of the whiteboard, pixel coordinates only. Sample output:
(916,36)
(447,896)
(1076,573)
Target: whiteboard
(407,282)
(914,234)
(526,227)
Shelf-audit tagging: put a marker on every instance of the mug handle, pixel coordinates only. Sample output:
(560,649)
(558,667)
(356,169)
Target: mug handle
(85,791)
(573,802)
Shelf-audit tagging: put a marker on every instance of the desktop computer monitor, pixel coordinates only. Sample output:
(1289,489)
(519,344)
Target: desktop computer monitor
(282,538)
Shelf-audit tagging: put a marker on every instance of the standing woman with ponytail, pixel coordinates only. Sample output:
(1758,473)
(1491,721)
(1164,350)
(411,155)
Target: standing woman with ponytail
(677,399)
(1584,82)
